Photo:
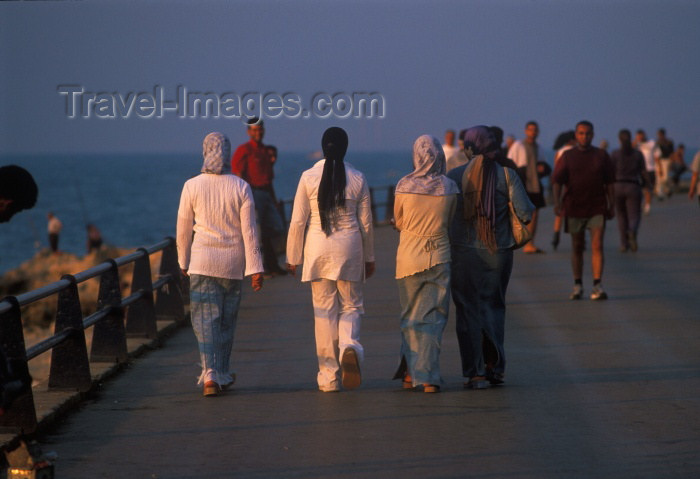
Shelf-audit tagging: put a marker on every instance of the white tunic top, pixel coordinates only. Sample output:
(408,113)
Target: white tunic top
(343,254)
(221,212)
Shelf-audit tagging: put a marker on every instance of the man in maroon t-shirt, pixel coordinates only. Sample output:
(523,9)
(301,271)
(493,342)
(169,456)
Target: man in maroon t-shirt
(584,194)
(252,162)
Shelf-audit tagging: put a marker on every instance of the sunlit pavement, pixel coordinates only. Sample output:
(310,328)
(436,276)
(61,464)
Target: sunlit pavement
(593,388)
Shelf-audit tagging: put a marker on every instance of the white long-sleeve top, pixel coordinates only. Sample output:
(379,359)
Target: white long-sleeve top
(220,210)
(343,254)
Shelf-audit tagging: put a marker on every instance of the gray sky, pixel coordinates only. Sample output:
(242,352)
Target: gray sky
(438,65)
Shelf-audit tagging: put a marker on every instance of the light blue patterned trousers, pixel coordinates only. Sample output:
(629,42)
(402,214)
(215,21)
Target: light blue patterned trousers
(214,304)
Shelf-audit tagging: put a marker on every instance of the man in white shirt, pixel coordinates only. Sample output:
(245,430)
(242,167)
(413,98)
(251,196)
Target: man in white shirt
(646,148)
(218,208)
(449,146)
(526,154)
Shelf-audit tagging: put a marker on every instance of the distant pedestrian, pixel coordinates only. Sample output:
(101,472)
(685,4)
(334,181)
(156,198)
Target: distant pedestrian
(331,233)
(217,245)
(482,256)
(584,193)
(449,147)
(677,167)
(565,141)
(695,169)
(630,175)
(423,208)
(54,229)
(458,157)
(664,151)
(527,155)
(252,162)
(647,148)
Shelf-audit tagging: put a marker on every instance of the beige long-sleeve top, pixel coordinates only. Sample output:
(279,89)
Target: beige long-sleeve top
(343,254)
(423,221)
(220,210)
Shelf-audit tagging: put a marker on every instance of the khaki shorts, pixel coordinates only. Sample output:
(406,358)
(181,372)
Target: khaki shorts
(578,225)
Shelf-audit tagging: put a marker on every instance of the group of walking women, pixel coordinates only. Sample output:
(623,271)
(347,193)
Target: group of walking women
(455,238)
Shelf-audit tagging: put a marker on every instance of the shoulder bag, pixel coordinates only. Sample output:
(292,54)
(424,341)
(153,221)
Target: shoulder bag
(521,235)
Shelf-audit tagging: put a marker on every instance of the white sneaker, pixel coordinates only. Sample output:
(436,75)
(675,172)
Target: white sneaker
(577,293)
(598,293)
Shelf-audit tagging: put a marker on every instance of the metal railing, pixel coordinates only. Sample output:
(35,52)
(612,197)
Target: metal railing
(116,319)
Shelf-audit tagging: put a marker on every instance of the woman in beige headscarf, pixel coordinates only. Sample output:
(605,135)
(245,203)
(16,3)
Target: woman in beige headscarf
(425,202)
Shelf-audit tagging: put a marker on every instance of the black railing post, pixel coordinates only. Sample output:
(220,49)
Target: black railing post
(169,303)
(109,334)
(20,415)
(389,213)
(141,316)
(70,367)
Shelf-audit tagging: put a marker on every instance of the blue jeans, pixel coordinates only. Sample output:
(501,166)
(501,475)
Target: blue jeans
(214,304)
(479,283)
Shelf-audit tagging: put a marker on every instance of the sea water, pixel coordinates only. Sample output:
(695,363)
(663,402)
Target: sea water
(133,199)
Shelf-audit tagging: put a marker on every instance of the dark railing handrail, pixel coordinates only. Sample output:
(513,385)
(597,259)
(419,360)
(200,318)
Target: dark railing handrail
(116,318)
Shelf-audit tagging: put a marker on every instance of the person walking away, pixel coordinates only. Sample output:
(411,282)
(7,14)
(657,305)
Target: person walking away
(695,169)
(252,162)
(217,245)
(482,256)
(331,233)
(678,166)
(647,148)
(664,151)
(565,141)
(630,175)
(527,154)
(423,208)
(584,194)
(449,147)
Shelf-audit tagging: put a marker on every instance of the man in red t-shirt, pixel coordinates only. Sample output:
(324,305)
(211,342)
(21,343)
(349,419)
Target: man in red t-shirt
(252,162)
(583,188)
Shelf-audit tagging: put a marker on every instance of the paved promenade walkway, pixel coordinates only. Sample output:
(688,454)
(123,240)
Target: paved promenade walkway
(593,389)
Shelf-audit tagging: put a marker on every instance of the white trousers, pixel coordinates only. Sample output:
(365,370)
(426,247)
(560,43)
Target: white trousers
(337,312)
(662,185)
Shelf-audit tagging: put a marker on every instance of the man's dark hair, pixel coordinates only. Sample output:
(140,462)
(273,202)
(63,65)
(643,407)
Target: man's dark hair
(17,184)
(255,121)
(272,147)
(585,123)
(532,122)
(662,131)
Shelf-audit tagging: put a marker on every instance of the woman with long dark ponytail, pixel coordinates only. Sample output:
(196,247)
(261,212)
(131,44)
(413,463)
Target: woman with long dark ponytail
(337,252)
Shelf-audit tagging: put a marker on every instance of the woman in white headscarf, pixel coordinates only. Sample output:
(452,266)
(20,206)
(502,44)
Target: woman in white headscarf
(331,233)
(218,208)
(424,204)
